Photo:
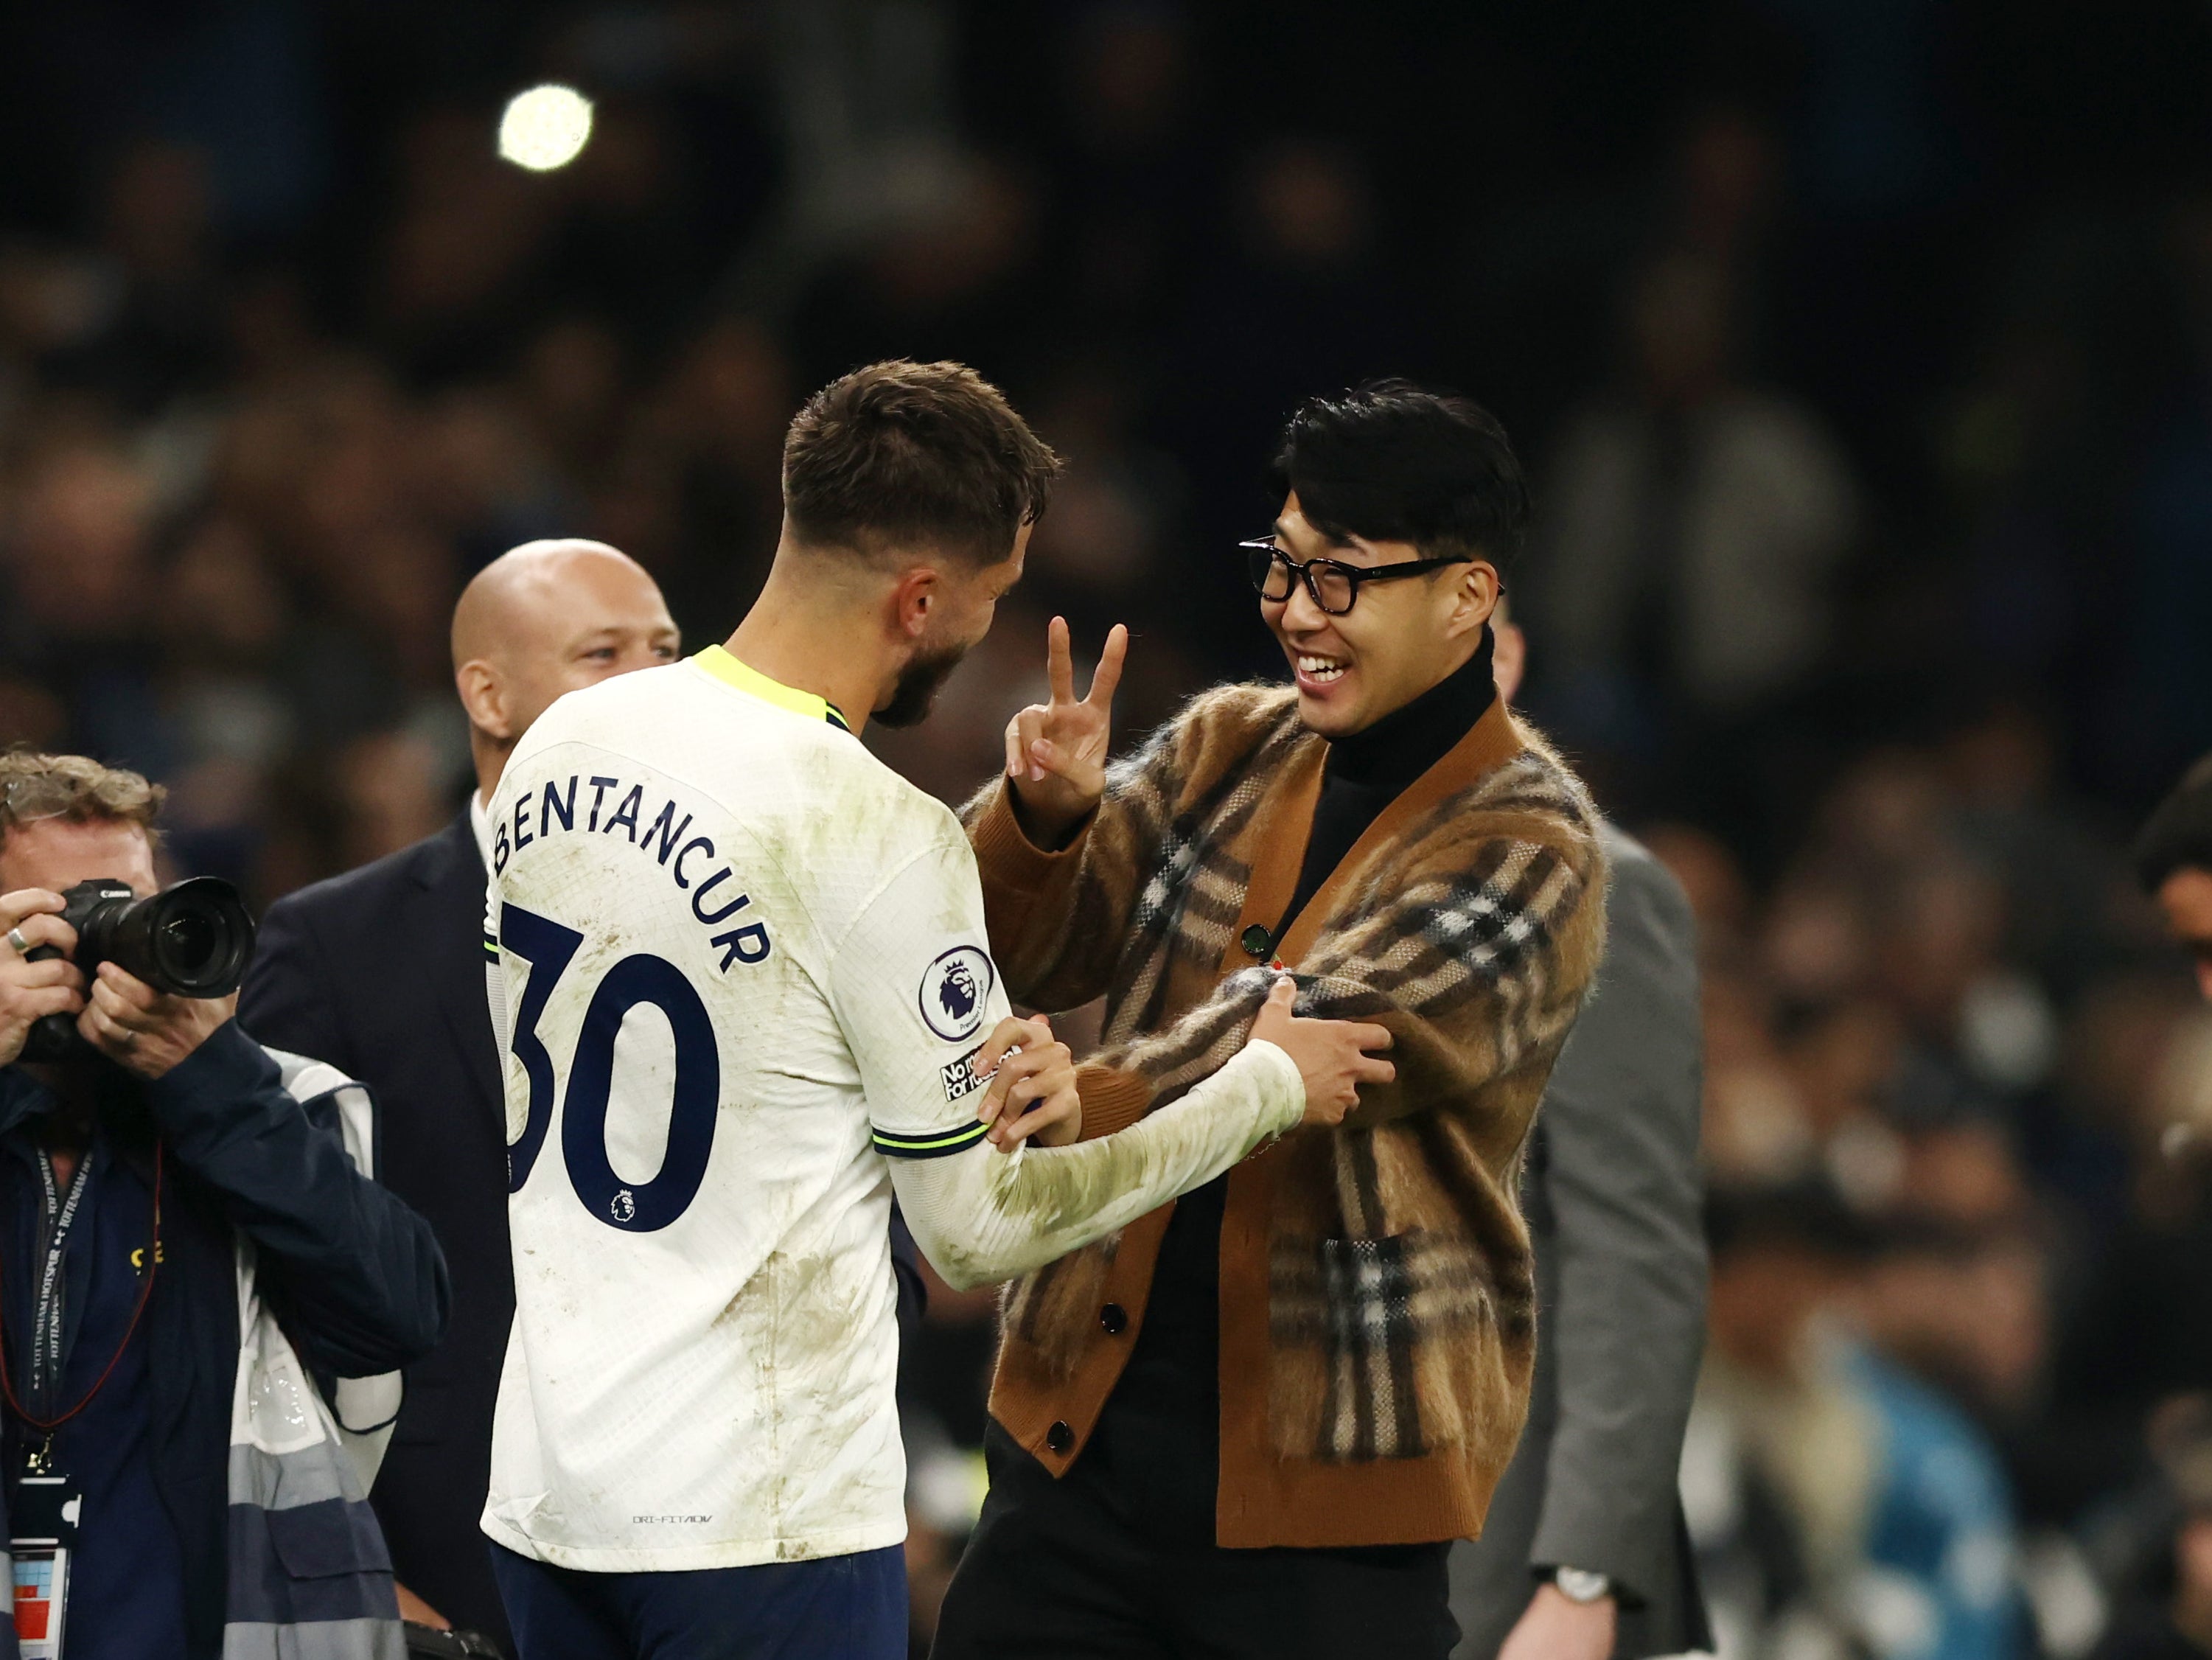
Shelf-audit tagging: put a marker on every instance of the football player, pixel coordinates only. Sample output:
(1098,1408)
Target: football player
(741,971)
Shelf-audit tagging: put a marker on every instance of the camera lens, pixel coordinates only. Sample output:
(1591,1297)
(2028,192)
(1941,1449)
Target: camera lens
(193,941)
(186,943)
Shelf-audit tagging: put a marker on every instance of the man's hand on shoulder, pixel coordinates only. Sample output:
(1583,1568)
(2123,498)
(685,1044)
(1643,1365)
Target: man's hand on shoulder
(144,1032)
(1557,1627)
(1056,751)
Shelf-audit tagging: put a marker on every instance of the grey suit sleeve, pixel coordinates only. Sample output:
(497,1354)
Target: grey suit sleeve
(1620,1118)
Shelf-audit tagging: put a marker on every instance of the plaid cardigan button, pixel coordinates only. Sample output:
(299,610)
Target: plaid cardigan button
(1059,1438)
(1256,941)
(1115,1319)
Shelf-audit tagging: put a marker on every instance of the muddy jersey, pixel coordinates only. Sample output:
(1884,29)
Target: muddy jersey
(739,963)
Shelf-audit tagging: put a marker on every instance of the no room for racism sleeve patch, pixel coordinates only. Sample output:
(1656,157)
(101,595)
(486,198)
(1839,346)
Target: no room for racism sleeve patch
(961,1078)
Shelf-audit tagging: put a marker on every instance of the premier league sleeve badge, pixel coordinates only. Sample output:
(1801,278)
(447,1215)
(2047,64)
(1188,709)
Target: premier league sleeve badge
(954,989)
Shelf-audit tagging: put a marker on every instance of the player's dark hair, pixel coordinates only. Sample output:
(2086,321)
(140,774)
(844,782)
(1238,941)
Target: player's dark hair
(903,455)
(2178,835)
(1392,462)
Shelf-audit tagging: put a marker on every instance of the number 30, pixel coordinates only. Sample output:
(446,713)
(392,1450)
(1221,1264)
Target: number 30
(644,1206)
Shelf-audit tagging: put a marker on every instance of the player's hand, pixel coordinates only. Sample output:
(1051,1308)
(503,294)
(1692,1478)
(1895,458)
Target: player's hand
(1056,751)
(1557,1627)
(146,1031)
(1331,1054)
(30,991)
(1032,1092)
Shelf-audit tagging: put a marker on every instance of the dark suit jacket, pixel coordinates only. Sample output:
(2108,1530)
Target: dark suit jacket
(1613,1197)
(381,973)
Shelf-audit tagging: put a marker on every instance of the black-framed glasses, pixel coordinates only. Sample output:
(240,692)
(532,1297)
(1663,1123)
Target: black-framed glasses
(1334,585)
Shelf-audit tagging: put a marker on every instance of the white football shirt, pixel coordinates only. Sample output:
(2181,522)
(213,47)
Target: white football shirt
(742,961)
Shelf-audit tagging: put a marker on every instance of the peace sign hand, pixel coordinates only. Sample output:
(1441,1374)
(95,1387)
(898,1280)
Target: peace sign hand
(1056,751)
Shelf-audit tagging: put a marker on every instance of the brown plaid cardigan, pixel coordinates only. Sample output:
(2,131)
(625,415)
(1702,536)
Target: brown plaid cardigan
(1377,1318)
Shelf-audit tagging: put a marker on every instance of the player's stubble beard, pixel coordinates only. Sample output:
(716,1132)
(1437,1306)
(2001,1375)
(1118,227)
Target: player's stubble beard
(919,682)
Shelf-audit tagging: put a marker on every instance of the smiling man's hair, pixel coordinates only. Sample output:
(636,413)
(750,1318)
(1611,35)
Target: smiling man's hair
(1390,461)
(899,457)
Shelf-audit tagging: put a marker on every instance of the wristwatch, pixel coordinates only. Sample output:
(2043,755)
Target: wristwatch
(1581,1585)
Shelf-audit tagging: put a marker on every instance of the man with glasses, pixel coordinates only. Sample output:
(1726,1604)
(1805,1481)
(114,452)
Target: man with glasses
(1251,1424)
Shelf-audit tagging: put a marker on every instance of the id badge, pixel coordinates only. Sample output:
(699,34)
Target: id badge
(46,1516)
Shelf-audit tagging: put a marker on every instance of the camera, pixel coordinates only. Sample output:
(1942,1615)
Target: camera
(191,941)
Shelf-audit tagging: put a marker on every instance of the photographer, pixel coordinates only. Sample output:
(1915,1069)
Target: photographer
(162,1189)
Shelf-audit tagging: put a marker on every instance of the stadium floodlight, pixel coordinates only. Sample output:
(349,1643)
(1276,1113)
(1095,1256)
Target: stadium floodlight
(545,127)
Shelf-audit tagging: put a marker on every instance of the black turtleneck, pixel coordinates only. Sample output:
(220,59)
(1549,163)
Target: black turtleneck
(1168,1400)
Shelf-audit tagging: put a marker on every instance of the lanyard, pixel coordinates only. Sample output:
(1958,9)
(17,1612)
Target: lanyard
(47,1339)
(47,1323)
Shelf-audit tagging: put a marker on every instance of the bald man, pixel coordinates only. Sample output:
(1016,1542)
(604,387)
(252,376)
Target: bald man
(381,973)
(546,618)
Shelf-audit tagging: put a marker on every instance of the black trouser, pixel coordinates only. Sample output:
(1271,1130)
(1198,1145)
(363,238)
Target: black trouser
(1117,1559)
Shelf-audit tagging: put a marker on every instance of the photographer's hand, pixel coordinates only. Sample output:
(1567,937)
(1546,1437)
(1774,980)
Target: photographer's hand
(29,991)
(145,1031)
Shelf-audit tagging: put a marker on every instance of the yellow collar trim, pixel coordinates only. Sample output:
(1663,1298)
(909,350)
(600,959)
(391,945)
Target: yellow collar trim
(717,662)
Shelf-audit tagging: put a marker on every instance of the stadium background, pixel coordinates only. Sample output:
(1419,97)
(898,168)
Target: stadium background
(1903,308)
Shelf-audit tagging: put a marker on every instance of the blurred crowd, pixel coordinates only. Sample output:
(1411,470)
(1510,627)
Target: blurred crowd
(1862,355)
(1955,1110)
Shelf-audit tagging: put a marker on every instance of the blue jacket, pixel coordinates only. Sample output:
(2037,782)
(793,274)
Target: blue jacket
(1940,1548)
(355,1277)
